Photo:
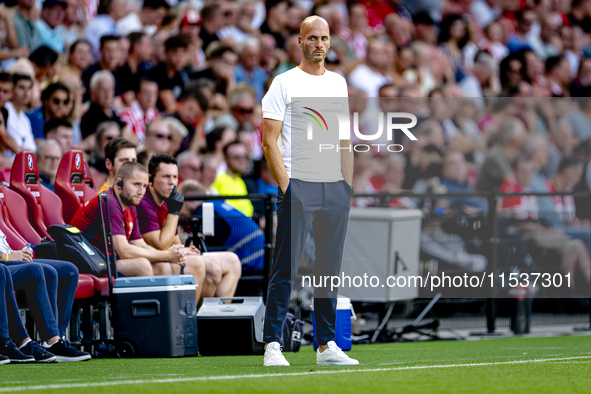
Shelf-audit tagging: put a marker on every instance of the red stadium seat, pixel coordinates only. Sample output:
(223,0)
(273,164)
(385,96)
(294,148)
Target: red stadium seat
(86,287)
(12,207)
(70,185)
(44,207)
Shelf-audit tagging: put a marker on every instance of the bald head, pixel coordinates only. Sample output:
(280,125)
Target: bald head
(313,22)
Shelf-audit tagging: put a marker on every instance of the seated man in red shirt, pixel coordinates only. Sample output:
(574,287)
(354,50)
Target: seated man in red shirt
(134,256)
(158,219)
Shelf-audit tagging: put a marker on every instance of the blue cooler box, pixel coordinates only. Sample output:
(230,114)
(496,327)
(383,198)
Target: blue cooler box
(343,324)
(157,315)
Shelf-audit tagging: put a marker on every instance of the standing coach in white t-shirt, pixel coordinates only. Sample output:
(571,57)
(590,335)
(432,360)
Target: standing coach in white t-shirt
(314,190)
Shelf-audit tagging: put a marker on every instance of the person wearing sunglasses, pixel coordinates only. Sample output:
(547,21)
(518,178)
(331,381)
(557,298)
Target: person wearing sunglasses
(56,105)
(158,137)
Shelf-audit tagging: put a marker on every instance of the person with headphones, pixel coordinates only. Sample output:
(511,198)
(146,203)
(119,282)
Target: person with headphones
(134,256)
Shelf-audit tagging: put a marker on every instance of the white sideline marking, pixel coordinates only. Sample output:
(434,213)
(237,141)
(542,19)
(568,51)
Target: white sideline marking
(271,375)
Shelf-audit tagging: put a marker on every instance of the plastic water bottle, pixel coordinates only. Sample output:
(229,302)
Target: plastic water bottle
(29,248)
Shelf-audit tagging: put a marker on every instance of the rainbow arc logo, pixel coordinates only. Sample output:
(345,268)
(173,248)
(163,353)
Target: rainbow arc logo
(315,118)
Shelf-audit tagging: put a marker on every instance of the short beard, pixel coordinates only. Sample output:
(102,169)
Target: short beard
(126,201)
(314,59)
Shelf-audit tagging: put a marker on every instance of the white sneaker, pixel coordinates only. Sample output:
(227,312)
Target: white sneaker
(274,357)
(334,356)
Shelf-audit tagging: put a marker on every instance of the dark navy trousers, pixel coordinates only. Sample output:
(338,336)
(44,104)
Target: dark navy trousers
(324,206)
(50,286)
(10,320)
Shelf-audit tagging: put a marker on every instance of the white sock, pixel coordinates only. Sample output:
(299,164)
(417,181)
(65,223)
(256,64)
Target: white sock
(24,344)
(46,345)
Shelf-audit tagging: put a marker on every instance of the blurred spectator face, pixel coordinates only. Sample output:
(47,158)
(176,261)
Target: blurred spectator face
(74,83)
(26,4)
(561,72)
(243,110)
(190,169)
(190,30)
(54,16)
(388,102)
(5,92)
(268,46)
(108,135)
(455,168)
(549,29)
(425,32)
(154,16)
(246,138)
(63,135)
(144,49)
(533,65)
(376,55)
(22,92)
(148,94)
(398,29)
(405,59)
(81,56)
(358,18)
(539,156)
(585,70)
(228,136)
(158,137)
(49,160)
(118,10)
(250,57)
(572,175)
(177,58)
(71,15)
(395,173)
(246,15)
(524,25)
(237,158)
(58,104)
(294,52)
(104,93)
(209,172)
(278,14)
(564,138)
(457,30)
(123,51)
(190,111)
(295,17)
(524,172)
(110,55)
(514,72)
(494,32)
(229,13)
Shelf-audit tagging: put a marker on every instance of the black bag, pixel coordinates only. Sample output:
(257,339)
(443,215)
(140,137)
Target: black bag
(73,247)
(292,333)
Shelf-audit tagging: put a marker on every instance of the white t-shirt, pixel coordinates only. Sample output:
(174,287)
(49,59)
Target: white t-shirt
(295,97)
(19,128)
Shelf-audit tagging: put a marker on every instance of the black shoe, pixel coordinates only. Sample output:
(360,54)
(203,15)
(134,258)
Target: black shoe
(64,352)
(41,354)
(9,349)
(4,360)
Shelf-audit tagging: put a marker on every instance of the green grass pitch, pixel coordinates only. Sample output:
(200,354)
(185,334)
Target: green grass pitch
(512,365)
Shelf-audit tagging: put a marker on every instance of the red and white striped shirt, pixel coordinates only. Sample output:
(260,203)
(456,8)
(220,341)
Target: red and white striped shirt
(135,118)
(523,207)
